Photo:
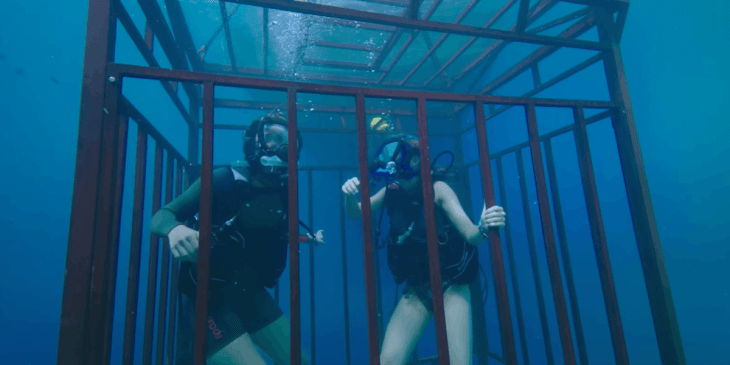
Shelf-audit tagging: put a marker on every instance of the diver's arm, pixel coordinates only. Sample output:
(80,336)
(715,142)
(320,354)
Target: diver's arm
(446,199)
(187,204)
(354,209)
(184,206)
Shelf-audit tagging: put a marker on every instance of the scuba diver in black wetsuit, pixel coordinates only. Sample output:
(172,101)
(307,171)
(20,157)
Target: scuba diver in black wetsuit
(398,160)
(248,253)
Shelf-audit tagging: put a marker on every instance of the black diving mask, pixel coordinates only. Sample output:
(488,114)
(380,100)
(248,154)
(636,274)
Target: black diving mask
(397,158)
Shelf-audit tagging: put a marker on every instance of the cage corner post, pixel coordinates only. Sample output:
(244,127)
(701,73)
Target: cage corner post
(87,246)
(661,303)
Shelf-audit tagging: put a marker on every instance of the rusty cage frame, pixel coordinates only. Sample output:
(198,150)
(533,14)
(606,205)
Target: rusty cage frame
(90,279)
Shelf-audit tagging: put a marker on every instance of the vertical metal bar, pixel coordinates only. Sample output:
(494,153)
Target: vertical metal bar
(522,15)
(367,237)
(117,212)
(135,249)
(103,228)
(164,270)
(479,323)
(429,210)
(193,143)
(378,294)
(265,43)
(495,246)
(536,82)
(533,259)
(345,293)
(172,314)
(479,320)
(295,287)
(206,227)
(666,325)
(311,270)
(512,265)
(599,239)
(413,9)
(549,238)
(99,47)
(149,324)
(229,41)
(149,36)
(565,254)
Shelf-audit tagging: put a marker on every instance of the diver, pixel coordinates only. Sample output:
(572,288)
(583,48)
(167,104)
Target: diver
(398,161)
(248,253)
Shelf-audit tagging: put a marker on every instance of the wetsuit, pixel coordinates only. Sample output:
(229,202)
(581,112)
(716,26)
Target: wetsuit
(249,253)
(408,252)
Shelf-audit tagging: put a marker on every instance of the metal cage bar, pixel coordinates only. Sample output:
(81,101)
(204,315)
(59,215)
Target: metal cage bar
(312,311)
(512,265)
(104,226)
(293,156)
(174,275)
(100,42)
(345,291)
(206,227)
(598,234)
(149,323)
(135,250)
(368,252)
(648,241)
(549,237)
(564,253)
(164,270)
(495,246)
(429,210)
(550,358)
(116,220)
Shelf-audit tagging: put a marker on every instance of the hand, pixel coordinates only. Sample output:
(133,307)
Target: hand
(184,243)
(351,187)
(319,237)
(493,217)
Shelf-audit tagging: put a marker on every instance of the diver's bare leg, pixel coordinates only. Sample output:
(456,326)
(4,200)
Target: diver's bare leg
(274,340)
(405,328)
(457,308)
(240,351)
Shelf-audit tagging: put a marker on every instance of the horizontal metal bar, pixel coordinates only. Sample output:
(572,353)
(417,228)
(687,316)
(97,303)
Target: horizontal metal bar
(322,130)
(126,108)
(337,64)
(355,24)
(607,4)
(300,168)
(225,80)
(354,47)
(343,13)
(263,105)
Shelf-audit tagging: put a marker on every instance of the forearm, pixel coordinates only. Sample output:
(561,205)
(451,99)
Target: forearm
(352,207)
(163,222)
(472,234)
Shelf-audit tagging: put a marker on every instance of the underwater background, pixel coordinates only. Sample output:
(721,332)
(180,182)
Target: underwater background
(675,55)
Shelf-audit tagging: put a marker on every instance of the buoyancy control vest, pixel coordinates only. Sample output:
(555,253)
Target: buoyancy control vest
(407,242)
